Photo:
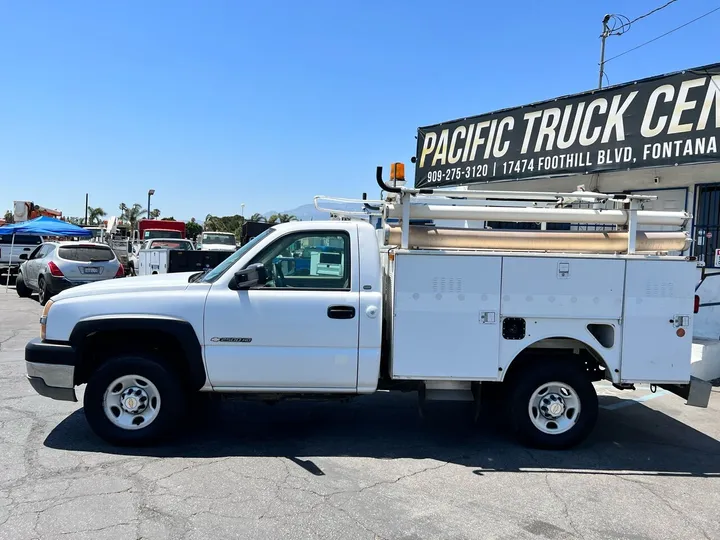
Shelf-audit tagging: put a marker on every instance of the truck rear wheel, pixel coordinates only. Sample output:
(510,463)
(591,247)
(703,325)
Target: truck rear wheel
(552,405)
(134,400)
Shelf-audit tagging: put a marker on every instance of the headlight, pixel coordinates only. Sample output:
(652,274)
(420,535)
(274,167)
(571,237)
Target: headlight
(43,319)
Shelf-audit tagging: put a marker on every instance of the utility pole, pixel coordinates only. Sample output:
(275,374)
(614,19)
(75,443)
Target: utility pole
(86,209)
(603,37)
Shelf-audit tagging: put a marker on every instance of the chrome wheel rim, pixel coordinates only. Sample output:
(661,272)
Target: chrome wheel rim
(554,408)
(131,402)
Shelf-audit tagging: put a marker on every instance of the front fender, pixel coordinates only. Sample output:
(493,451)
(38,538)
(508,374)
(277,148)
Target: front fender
(144,327)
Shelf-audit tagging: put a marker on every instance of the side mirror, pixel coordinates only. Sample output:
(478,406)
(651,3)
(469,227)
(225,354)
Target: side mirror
(23,257)
(250,277)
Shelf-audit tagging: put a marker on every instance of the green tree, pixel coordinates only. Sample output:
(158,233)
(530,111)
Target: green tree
(132,214)
(75,220)
(9,217)
(258,218)
(193,229)
(95,215)
(155,213)
(229,224)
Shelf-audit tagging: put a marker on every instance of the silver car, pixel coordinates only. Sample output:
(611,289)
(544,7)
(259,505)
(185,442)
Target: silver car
(55,266)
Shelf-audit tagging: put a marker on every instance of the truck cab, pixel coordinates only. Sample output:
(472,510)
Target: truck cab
(216,241)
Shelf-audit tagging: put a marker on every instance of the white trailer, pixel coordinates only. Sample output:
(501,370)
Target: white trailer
(531,317)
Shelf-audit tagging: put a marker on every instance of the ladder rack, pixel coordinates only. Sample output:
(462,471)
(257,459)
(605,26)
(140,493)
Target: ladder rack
(402,204)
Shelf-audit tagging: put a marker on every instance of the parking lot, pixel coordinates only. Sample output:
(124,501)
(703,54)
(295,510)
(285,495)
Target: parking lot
(367,469)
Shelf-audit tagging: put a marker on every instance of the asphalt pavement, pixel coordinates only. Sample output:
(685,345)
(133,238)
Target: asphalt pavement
(367,469)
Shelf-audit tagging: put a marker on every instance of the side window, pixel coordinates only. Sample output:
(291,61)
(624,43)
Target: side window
(308,260)
(38,253)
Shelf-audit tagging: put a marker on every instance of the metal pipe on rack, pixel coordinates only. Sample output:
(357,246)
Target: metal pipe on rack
(538,215)
(424,237)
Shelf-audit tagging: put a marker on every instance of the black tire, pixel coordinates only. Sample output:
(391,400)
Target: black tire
(172,392)
(44,293)
(530,379)
(23,291)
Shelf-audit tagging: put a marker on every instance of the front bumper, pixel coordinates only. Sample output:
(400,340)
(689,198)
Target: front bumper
(51,369)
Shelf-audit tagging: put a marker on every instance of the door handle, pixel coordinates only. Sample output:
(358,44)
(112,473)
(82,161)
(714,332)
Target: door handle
(341,312)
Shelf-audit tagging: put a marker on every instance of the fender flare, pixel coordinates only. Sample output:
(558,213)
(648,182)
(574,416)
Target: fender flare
(179,329)
(595,351)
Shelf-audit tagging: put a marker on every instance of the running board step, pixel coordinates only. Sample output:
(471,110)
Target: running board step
(447,391)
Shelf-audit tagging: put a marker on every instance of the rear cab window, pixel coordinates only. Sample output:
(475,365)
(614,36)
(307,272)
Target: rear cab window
(21,239)
(86,253)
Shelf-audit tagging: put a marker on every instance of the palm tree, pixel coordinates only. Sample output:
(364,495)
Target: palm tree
(131,214)
(281,218)
(258,218)
(95,215)
(154,214)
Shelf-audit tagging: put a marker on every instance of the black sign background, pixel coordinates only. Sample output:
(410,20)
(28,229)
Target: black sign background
(666,120)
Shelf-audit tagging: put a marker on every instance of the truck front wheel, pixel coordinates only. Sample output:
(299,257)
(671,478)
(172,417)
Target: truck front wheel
(134,400)
(553,405)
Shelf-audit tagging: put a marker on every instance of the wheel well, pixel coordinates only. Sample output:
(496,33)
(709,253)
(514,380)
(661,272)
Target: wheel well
(560,348)
(96,347)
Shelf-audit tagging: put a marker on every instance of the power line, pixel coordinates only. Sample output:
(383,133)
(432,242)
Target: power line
(621,29)
(663,35)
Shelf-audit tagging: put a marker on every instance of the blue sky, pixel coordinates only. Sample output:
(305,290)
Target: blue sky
(218,103)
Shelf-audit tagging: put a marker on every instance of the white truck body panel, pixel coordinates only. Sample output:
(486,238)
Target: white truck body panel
(656,294)
(152,261)
(562,287)
(439,331)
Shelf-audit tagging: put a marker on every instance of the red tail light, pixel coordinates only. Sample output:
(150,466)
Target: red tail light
(697,303)
(54,270)
(120,272)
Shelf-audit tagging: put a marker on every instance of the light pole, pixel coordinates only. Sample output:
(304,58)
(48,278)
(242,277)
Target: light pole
(242,211)
(151,192)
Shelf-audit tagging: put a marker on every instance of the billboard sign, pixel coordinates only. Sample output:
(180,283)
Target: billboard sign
(671,119)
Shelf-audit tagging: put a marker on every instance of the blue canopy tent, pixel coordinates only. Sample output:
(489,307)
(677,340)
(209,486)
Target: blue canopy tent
(41,226)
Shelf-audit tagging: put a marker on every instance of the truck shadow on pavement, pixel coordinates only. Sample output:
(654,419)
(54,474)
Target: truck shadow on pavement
(629,440)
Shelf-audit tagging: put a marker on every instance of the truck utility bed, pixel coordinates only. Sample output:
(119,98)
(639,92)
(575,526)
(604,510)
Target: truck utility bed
(485,308)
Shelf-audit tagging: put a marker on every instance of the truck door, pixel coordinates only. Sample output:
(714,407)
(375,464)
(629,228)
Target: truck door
(300,330)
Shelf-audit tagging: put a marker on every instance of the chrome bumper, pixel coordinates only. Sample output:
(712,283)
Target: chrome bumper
(52,380)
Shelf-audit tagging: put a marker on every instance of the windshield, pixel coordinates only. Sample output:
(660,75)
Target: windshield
(171,244)
(225,239)
(162,233)
(221,268)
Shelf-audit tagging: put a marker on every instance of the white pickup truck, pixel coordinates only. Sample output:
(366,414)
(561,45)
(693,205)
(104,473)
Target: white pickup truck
(538,315)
